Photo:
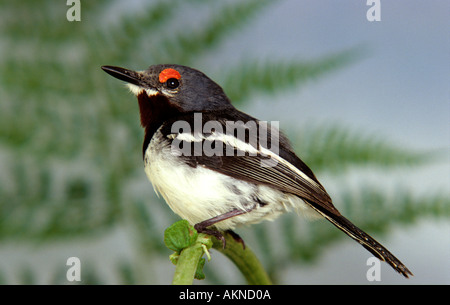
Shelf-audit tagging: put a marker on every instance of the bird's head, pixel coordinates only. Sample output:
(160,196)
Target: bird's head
(183,88)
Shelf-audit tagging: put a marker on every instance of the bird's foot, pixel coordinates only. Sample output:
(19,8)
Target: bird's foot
(217,234)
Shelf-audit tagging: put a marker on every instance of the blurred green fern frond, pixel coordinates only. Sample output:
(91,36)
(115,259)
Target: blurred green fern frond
(368,207)
(70,140)
(334,147)
(186,48)
(271,76)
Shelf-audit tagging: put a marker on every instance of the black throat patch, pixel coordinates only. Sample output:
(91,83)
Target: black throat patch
(154,111)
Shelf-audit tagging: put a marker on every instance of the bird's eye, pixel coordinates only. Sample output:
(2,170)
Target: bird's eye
(172,83)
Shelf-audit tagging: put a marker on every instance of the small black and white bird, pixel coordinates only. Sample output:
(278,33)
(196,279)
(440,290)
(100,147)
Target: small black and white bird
(218,167)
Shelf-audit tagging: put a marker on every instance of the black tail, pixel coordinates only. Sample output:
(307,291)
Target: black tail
(365,240)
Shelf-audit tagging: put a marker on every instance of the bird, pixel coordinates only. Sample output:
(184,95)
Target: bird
(218,167)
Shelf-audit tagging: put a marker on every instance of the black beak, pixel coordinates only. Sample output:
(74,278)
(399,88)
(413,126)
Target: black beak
(126,75)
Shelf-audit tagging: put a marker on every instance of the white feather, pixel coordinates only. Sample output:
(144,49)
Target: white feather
(136,90)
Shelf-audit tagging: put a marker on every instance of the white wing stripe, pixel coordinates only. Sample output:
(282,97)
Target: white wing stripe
(242,146)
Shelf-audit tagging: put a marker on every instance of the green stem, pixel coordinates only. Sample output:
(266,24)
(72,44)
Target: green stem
(245,260)
(187,265)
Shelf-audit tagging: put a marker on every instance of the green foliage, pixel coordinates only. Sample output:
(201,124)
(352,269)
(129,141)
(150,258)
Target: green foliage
(271,76)
(334,147)
(180,235)
(70,140)
(368,206)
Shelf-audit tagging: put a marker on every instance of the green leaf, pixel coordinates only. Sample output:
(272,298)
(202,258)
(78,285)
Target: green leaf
(199,275)
(180,235)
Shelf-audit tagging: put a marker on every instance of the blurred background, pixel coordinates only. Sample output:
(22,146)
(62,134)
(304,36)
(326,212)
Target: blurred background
(366,105)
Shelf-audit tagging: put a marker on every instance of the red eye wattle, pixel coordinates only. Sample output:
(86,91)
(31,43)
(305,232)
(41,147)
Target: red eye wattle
(167,74)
